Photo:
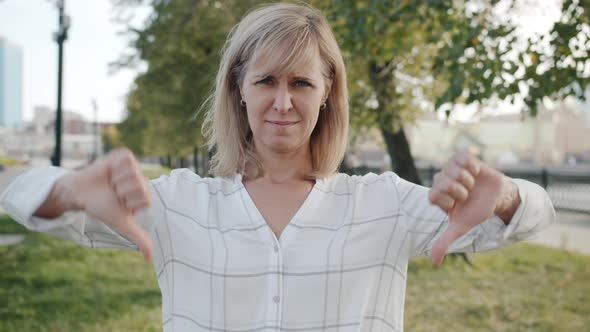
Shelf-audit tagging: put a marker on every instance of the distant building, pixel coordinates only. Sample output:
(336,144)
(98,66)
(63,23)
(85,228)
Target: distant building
(11,84)
(72,122)
(558,135)
(37,137)
(552,137)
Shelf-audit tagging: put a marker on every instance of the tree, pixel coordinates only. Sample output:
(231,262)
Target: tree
(111,138)
(401,52)
(398,54)
(180,44)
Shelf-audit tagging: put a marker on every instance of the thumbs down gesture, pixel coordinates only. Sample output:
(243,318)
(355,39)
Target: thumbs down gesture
(470,192)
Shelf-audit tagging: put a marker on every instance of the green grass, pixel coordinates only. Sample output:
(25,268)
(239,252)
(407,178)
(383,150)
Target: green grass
(519,288)
(8,226)
(47,284)
(156,172)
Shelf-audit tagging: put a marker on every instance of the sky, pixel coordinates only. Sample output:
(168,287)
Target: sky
(93,43)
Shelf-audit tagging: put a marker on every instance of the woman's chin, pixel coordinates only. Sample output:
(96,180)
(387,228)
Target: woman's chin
(282,146)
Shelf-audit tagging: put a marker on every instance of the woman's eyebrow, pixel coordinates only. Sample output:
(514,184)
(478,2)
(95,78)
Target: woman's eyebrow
(263,76)
(297,77)
(305,78)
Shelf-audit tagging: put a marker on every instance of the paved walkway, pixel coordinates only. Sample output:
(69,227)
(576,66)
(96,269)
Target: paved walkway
(571,232)
(10,239)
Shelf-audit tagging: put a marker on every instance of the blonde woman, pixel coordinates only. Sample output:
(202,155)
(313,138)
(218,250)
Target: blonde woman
(278,240)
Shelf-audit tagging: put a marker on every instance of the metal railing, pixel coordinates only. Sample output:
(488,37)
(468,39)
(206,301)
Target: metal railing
(568,187)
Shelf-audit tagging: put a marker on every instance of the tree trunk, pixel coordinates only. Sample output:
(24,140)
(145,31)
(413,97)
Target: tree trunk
(402,162)
(196,162)
(206,161)
(183,161)
(343,168)
(166,161)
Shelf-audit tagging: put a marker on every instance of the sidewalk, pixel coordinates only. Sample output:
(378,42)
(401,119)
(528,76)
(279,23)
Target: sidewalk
(571,232)
(10,239)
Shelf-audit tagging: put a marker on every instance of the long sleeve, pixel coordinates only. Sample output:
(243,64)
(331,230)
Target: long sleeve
(25,194)
(425,221)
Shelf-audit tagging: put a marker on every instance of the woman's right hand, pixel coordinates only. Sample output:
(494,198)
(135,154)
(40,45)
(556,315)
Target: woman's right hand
(111,190)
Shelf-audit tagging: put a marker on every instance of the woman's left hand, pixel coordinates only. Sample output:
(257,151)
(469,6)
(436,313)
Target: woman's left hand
(468,191)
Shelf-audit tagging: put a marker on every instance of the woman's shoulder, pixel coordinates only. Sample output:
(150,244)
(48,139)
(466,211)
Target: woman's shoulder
(186,181)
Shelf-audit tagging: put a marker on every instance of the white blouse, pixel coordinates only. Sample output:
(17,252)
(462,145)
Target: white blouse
(339,265)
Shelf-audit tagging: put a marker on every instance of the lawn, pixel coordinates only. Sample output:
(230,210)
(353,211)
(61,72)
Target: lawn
(47,284)
(154,173)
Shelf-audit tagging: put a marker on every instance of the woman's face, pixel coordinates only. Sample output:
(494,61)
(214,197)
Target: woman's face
(283,111)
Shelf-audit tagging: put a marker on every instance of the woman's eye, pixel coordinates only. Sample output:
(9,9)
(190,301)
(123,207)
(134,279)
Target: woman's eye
(302,84)
(265,81)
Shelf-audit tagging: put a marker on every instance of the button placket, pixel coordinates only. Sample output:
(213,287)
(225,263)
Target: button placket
(275,285)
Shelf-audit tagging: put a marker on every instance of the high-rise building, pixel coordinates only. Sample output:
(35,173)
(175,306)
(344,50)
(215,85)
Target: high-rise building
(11,84)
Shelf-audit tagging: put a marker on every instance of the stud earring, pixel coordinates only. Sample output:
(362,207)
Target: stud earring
(323,107)
(242,103)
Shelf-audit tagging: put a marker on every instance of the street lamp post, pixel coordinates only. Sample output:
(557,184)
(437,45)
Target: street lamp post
(95,130)
(60,37)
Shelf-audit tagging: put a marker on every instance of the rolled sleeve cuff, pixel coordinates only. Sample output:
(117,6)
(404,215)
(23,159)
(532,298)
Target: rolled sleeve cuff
(534,213)
(25,194)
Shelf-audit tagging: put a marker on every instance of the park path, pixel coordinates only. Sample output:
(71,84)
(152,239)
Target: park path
(571,232)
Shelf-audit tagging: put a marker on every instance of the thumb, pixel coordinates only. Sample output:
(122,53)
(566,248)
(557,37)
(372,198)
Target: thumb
(134,233)
(442,244)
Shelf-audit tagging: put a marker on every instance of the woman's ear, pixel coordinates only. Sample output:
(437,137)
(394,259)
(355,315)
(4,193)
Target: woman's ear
(327,91)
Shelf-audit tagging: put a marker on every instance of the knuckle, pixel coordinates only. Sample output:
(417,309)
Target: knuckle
(447,204)
(127,157)
(463,175)
(433,195)
(123,155)
(454,173)
(448,186)
(436,177)
(123,149)
(463,194)
(468,180)
(460,157)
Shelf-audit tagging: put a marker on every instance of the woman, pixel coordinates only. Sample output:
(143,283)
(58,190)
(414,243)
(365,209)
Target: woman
(278,239)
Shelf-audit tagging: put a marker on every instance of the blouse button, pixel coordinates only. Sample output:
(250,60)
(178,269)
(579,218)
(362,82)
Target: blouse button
(276,298)
(276,248)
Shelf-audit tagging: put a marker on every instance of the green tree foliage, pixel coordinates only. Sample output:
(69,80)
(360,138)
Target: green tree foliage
(402,56)
(111,138)
(180,44)
(402,53)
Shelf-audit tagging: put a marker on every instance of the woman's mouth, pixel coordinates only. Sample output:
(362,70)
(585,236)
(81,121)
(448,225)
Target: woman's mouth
(283,124)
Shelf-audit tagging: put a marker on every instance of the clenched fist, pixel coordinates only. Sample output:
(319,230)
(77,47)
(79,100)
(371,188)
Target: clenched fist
(110,190)
(468,191)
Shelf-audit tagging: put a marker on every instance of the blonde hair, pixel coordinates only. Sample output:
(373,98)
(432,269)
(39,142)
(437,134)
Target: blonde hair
(294,33)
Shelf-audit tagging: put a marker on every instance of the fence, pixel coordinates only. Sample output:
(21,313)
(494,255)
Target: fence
(568,187)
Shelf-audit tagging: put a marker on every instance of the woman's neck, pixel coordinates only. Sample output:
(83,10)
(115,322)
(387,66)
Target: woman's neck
(281,167)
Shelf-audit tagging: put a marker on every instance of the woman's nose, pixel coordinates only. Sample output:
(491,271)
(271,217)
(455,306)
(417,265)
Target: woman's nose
(282,102)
